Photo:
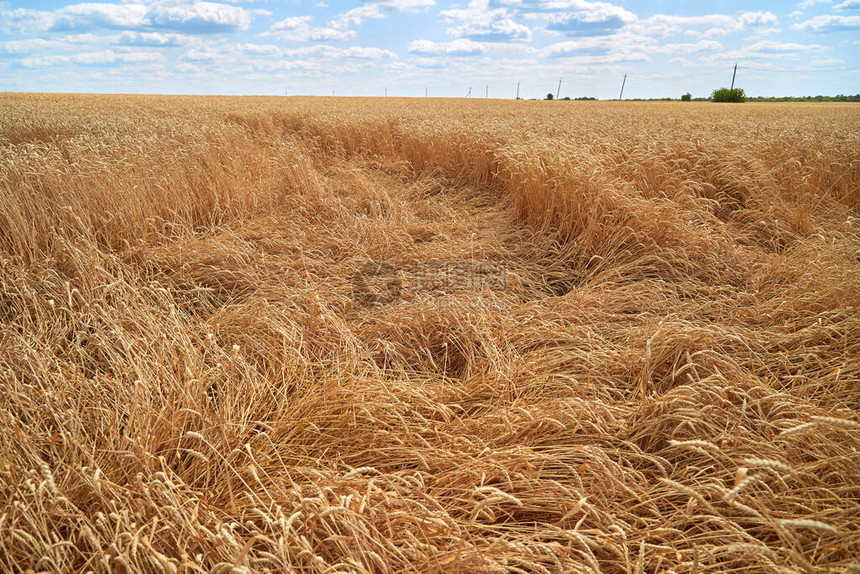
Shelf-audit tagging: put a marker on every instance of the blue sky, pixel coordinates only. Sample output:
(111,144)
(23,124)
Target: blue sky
(360,48)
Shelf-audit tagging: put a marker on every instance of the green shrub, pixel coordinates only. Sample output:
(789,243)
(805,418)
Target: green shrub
(688,97)
(726,95)
(550,96)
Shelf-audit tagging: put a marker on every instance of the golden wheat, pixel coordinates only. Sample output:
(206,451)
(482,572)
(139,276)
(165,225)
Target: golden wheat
(609,336)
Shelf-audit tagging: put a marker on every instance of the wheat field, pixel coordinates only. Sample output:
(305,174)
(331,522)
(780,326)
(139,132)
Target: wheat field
(391,335)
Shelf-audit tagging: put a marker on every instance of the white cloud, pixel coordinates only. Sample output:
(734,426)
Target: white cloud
(313,70)
(381,9)
(200,17)
(407,5)
(333,53)
(30,45)
(179,15)
(587,18)
(91,15)
(202,54)
(274,66)
(102,57)
(823,24)
(848,5)
(810,3)
(66,43)
(502,20)
(186,68)
(774,47)
(259,49)
(294,23)
(572,17)
(603,49)
(249,58)
(98,58)
(759,18)
(766,31)
(504,29)
(24,20)
(367,53)
(328,34)
(716,24)
(479,21)
(687,48)
(771,50)
(139,57)
(458,47)
(152,39)
(356,16)
(597,8)
(90,38)
(589,23)
(298,29)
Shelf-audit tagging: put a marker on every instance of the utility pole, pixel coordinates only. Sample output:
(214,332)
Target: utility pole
(469,93)
(386,92)
(624,81)
(558,92)
(518,90)
(735,73)
(425,91)
(486,92)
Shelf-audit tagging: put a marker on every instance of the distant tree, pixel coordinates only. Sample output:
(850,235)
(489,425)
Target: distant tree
(550,96)
(736,95)
(837,98)
(688,97)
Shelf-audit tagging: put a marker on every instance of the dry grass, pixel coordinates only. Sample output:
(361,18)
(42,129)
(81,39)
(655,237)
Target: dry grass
(666,381)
